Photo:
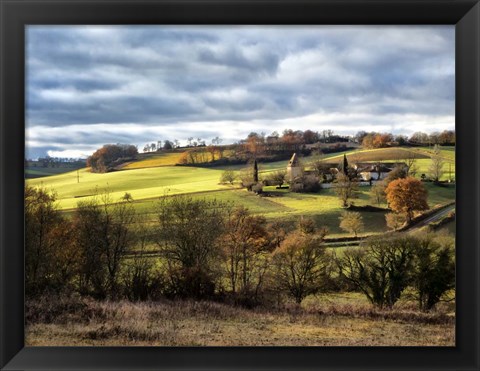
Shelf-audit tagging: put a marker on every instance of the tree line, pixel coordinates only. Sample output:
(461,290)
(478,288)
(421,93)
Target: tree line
(297,139)
(208,249)
(273,147)
(381,140)
(110,155)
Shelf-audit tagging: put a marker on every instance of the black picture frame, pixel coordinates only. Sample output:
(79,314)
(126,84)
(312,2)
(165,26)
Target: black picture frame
(16,14)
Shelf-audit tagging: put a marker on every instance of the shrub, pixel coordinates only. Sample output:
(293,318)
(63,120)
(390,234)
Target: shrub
(276,178)
(306,184)
(257,188)
(228,176)
(296,187)
(381,269)
(434,271)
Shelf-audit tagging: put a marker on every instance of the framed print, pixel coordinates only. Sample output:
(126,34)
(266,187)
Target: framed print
(240,185)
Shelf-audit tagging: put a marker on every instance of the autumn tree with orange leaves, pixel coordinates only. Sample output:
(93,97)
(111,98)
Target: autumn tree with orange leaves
(405,196)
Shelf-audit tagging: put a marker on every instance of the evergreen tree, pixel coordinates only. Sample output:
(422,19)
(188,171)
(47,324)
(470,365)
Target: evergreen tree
(255,171)
(344,165)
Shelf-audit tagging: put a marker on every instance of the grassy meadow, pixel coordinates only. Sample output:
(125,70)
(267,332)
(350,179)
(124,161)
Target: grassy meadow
(155,160)
(334,319)
(156,175)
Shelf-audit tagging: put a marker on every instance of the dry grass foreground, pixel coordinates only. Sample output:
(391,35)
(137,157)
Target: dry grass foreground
(84,322)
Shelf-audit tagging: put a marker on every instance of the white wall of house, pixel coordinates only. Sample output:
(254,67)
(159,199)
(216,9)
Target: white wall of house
(367,175)
(333,185)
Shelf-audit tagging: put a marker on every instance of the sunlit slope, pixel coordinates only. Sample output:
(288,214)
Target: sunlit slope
(141,183)
(155,160)
(379,154)
(153,182)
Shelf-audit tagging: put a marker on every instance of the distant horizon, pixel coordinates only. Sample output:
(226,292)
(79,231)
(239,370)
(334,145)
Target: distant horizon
(92,85)
(183,143)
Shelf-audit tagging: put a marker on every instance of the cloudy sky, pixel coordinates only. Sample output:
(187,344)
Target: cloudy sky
(88,86)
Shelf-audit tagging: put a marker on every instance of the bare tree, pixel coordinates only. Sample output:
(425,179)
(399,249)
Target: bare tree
(345,188)
(212,150)
(246,246)
(104,237)
(378,192)
(188,230)
(50,254)
(436,166)
(140,279)
(411,163)
(299,265)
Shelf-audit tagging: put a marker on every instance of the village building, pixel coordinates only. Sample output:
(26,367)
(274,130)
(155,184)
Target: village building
(378,171)
(366,171)
(294,168)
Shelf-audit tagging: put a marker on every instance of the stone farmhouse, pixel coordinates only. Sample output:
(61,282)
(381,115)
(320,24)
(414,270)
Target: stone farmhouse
(376,171)
(366,171)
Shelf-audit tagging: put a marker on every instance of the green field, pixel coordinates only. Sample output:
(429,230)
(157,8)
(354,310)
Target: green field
(447,152)
(140,183)
(38,172)
(152,177)
(380,154)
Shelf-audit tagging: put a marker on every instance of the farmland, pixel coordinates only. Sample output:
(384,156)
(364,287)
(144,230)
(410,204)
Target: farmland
(156,175)
(161,159)
(140,183)
(35,170)
(420,154)
(332,318)
(195,185)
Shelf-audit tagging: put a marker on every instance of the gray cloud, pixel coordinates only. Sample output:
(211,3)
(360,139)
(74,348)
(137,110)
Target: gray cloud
(176,80)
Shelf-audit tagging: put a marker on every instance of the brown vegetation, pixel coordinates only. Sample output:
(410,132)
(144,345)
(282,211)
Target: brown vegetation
(209,250)
(111,155)
(84,322)
(407,196)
